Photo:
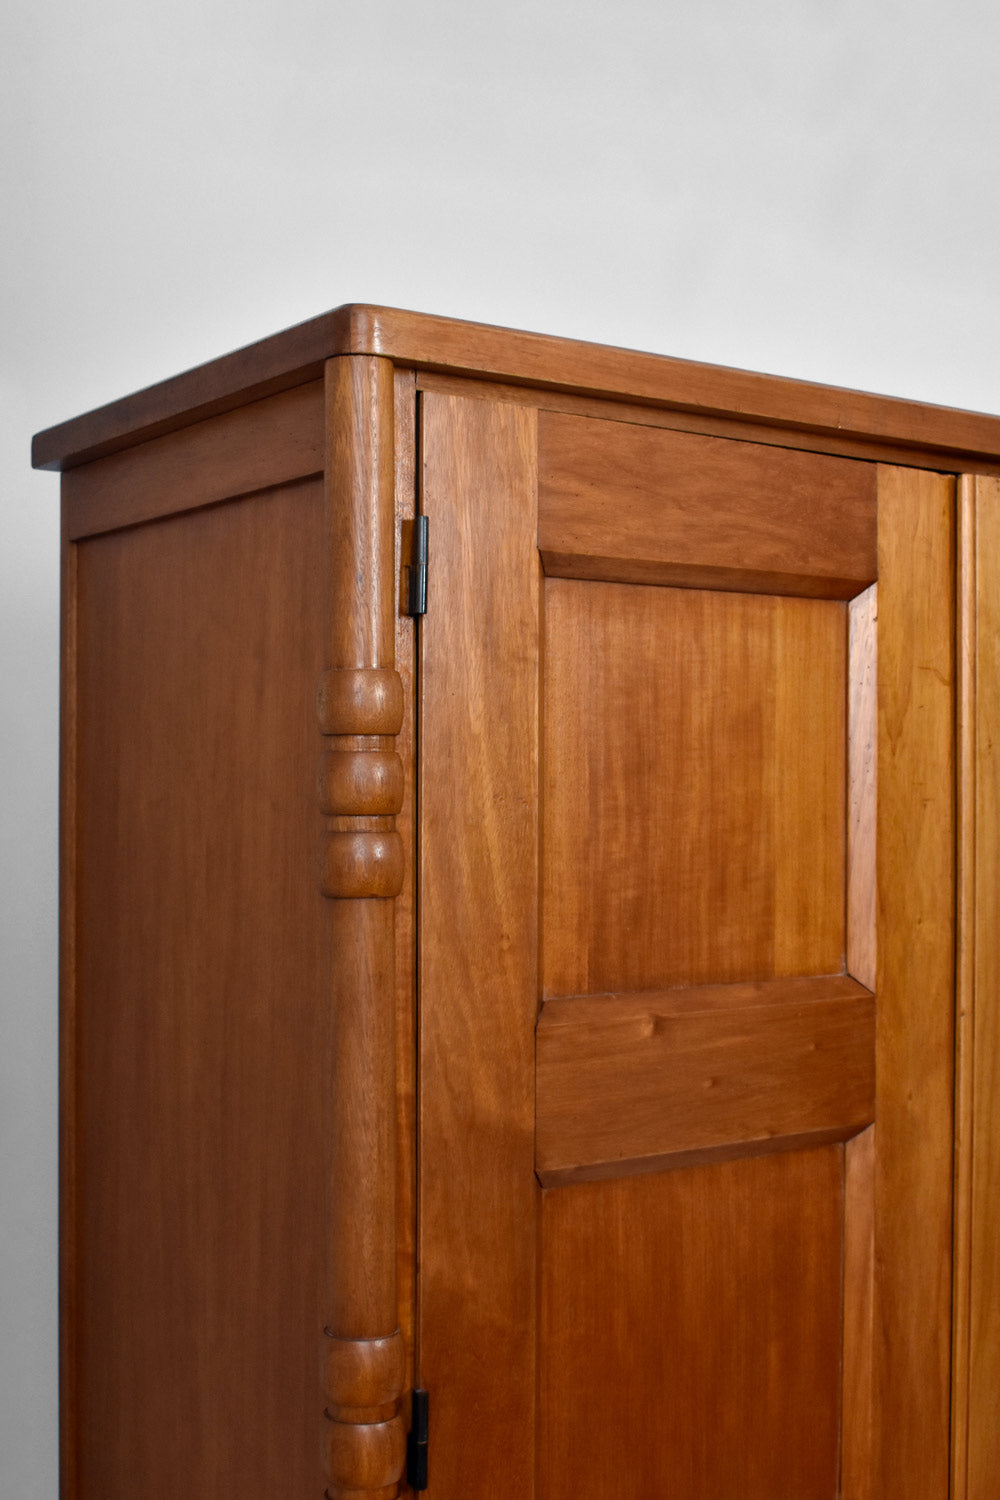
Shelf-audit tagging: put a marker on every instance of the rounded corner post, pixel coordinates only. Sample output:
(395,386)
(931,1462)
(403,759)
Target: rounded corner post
(361,711)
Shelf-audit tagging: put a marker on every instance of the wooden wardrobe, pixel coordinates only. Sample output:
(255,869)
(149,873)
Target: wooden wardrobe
(529,929)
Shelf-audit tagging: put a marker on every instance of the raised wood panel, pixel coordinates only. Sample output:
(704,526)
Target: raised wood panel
(915,885)
(691,1333)
(635,1082)
(201,1025)
(637,504)
(478,969)
(267,443)
(694,787)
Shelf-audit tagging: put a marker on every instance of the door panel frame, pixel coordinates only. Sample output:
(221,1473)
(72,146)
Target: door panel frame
(479,839)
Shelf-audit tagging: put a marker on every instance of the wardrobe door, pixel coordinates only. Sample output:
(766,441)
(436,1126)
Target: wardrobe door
(686,895)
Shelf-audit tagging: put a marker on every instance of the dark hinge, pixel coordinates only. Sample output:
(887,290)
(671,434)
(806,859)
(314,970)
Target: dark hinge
(417,569)
(416,1443)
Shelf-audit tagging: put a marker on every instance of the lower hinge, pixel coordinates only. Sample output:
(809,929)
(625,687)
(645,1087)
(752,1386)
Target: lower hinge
(416,1443)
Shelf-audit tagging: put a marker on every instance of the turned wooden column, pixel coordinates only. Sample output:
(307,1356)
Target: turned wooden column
(360,791)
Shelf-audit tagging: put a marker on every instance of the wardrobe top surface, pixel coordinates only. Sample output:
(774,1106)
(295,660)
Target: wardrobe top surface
(937,436)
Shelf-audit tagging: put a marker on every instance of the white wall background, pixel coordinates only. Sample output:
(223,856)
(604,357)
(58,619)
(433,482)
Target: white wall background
(802,186)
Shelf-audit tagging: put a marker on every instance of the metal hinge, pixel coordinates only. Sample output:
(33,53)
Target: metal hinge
(416,568)
(416,1443)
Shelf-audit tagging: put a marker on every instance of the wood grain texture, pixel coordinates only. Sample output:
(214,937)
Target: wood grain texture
(360,477)
(915,986)
(69,1133)
(859,1272)
(862,773)
(691,1332)
(361,783)
(404,401)
(636,504)
(202,1041)
(361,701)
(694,804)
(365,1458)
(965,973)
(281,362)
(636,1082)
(930,434)
(478,952)
(862,945)
(977,1302)
(725,424)
(365,1372)
(266,443)
(363,866)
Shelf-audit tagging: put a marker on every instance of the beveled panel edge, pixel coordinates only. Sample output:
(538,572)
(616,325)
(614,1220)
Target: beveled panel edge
(693,999)
(581,1041)
(425,342)
(675,1161)
(595,569)
(638,504)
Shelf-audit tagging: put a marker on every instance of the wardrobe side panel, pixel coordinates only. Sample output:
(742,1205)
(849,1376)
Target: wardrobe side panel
(197,1042)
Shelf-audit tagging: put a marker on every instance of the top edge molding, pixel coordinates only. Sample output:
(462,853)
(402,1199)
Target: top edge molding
(938,436)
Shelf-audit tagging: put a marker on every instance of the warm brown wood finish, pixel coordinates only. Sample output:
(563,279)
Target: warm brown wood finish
(69,1198)
(862,944)
(635,1082)
(550,1002)
(282,362)
(361,790)
(641,1392)
(857,1413)
(644,506)
(200,1040)
(478,958)
(693,806)
(967,755)
(976,1438)
(862,772)
(915,985)
(404,402)
(694,765)
(269,442)
(935,436)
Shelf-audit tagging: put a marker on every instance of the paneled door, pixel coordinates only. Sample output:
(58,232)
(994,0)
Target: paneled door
(686,953)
